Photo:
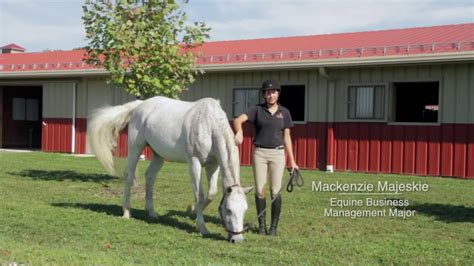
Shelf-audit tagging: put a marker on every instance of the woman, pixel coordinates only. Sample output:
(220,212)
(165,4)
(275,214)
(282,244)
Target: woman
(272,124)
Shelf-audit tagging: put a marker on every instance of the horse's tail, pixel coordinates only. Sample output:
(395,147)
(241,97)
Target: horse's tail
(103,127)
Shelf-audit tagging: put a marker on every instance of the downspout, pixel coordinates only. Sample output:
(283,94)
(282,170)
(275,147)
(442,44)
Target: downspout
(330,147)
(330,128)
(73,137)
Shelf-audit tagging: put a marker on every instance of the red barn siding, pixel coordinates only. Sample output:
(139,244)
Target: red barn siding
(341,135)
(421,147)
(409,150)
(446,150)
(56,135)
(122,143)
(352,130)
(375,148)
(81,132)
(460,150)
(324,139)
(312,146)
(300,138)
(470,152)
(397,149)
(386,149)
(363,162)
(434,151)
(447,139)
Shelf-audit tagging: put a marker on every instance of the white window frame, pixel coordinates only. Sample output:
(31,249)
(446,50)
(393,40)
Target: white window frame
(385,106)
(391,99)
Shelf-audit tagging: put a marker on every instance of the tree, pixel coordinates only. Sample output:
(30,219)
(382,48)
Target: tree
(145,45)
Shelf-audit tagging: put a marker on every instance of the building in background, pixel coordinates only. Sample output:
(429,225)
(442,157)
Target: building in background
(391,101)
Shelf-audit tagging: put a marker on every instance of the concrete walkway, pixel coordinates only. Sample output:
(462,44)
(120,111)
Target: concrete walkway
(17,150)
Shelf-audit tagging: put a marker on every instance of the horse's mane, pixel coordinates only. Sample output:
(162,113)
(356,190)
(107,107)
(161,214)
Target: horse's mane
(221,128)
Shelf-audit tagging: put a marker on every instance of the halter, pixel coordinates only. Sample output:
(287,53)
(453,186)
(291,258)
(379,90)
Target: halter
(247,226)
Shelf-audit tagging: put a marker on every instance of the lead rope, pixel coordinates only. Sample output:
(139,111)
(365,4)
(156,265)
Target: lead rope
(295,178)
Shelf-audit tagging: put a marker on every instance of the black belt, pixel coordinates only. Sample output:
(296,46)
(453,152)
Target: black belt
(270,147)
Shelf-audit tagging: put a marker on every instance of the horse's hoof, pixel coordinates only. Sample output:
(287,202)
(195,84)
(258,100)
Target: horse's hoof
(204,232)
(126,214)
(152,217)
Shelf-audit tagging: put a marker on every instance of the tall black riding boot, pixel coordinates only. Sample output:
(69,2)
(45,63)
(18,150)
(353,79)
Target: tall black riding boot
(261,205)
(276,210)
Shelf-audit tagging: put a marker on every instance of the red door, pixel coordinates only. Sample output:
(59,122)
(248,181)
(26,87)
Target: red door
(22,117)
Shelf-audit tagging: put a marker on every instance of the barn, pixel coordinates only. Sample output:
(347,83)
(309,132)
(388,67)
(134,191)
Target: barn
(390,101)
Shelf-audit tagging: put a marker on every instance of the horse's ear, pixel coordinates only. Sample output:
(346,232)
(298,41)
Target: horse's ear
(247,189)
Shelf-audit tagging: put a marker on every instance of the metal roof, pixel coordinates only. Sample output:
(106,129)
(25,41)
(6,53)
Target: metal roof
(13,46)
(358,44)
(436,43)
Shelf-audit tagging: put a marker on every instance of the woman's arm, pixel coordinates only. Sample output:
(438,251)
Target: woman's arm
(289,148)
(239,135)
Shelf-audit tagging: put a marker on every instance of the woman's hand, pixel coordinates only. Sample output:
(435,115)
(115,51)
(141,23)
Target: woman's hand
(294,166)
(239,135)
(239,138)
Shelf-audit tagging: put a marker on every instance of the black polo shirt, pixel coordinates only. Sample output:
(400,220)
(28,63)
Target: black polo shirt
(269,128)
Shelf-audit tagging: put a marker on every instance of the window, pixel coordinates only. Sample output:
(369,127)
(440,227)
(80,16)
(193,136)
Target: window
(244,99)
(366,102)
(18,109)
(32,109)
(416,102)
(25,109)
(293,98)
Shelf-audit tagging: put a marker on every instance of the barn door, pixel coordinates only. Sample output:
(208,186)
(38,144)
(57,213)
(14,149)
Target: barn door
(22,117)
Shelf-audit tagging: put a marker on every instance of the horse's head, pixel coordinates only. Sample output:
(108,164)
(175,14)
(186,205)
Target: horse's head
(232,211)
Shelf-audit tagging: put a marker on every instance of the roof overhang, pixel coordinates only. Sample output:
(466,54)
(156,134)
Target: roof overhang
(69,73)
(344,62)
(274,65)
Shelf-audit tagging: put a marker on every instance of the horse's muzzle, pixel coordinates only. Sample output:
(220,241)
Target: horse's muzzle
(238,237)
(235,239)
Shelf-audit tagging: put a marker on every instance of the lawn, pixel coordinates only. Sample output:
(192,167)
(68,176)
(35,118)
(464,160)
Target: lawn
(59,209)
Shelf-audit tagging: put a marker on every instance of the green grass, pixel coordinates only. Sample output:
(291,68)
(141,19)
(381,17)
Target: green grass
(58,209)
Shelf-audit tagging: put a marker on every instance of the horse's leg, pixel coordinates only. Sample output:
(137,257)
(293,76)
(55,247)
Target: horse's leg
(150,174)
(212,172)
(195,173)
(134,153)
(212,177)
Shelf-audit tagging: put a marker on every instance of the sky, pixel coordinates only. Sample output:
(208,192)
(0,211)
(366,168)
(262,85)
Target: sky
(39,25)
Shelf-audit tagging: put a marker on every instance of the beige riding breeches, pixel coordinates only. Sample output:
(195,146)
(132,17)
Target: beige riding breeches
(268,164)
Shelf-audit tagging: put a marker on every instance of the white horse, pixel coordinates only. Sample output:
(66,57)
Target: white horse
(194,132)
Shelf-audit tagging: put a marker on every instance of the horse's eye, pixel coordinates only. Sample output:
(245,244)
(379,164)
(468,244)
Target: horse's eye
(229,211)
